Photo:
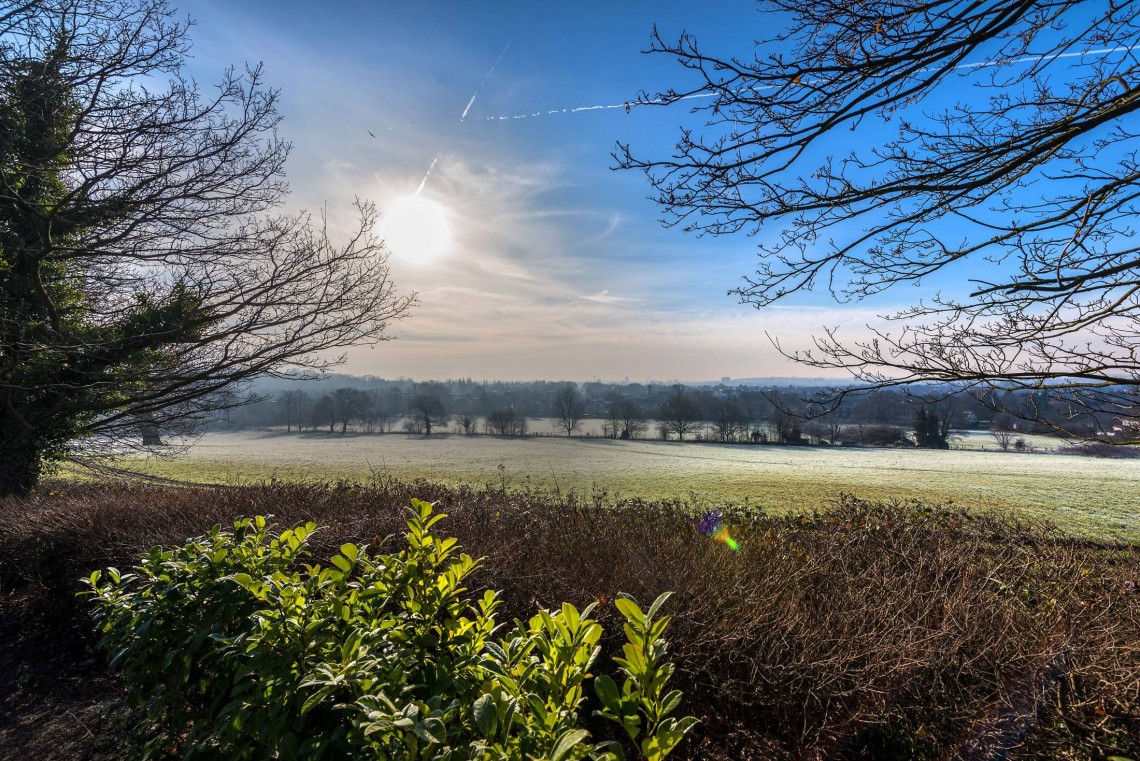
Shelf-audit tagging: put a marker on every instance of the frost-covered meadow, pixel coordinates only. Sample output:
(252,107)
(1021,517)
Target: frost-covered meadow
(1091,496)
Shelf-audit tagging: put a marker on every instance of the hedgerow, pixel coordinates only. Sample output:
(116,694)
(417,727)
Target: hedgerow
(866,630)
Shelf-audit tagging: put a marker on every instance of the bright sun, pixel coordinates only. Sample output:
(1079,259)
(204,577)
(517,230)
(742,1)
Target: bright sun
(417,230)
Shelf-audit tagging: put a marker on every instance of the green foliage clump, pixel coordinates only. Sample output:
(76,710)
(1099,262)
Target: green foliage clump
(239,651)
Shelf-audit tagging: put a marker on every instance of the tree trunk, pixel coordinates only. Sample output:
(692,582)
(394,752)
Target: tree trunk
(151,436)
(21,464)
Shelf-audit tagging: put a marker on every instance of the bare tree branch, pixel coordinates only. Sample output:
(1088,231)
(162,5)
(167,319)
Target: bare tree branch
(997,144)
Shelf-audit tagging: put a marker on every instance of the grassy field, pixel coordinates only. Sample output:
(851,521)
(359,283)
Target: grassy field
(1093,497)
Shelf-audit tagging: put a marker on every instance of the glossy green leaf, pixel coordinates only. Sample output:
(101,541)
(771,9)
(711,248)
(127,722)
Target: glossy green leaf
(629,608)
(566,743)
(607,692)
(486,715)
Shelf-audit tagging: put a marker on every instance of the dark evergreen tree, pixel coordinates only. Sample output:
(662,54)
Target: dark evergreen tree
(930,430)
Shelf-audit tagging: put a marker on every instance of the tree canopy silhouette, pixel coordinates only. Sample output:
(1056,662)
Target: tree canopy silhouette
(144,273)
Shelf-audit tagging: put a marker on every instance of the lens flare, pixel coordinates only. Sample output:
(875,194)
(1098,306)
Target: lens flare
(713,525)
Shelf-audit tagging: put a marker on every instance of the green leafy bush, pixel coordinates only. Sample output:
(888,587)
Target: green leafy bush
(239,651)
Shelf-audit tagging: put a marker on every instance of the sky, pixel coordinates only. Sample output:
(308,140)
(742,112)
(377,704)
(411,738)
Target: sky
(531,257)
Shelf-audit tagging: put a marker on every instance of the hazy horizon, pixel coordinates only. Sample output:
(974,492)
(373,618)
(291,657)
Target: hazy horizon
(781,380)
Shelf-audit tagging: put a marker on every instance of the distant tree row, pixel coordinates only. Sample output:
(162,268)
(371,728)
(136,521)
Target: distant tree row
(926,417)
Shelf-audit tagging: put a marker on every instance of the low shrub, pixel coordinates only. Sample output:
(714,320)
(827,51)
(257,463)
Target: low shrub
(880,436)
(238,650)
(1100,449)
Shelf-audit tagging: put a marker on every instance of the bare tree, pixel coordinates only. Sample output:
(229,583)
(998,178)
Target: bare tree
(758,432)
(728,420)
(466,422)
(679,414)
(950,422)
(882,407)
(630,418)
(428,411)
(293,404)
(1027,178)
(141,274)
(787,426)
(505,422)
(610,427)
(350,404)
(1003,432)
(323,412)
(379,413)
(569,408)
(832,429)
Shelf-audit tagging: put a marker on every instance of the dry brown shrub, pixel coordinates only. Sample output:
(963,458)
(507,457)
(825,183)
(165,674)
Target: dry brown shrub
(868,630)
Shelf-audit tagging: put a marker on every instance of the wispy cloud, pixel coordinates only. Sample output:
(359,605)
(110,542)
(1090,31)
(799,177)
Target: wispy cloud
(516,299)
(605,297)
(614,222)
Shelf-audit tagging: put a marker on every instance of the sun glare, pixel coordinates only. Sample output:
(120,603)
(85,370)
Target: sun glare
(416,230)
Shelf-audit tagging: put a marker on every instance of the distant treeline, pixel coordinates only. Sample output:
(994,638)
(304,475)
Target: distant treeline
(925,417)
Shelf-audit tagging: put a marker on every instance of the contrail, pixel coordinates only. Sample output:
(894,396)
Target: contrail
(463,115)
(426,175)
(485,78)
(469,104)
(631,104)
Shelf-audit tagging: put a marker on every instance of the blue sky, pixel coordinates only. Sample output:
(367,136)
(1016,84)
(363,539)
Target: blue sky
(532,258)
